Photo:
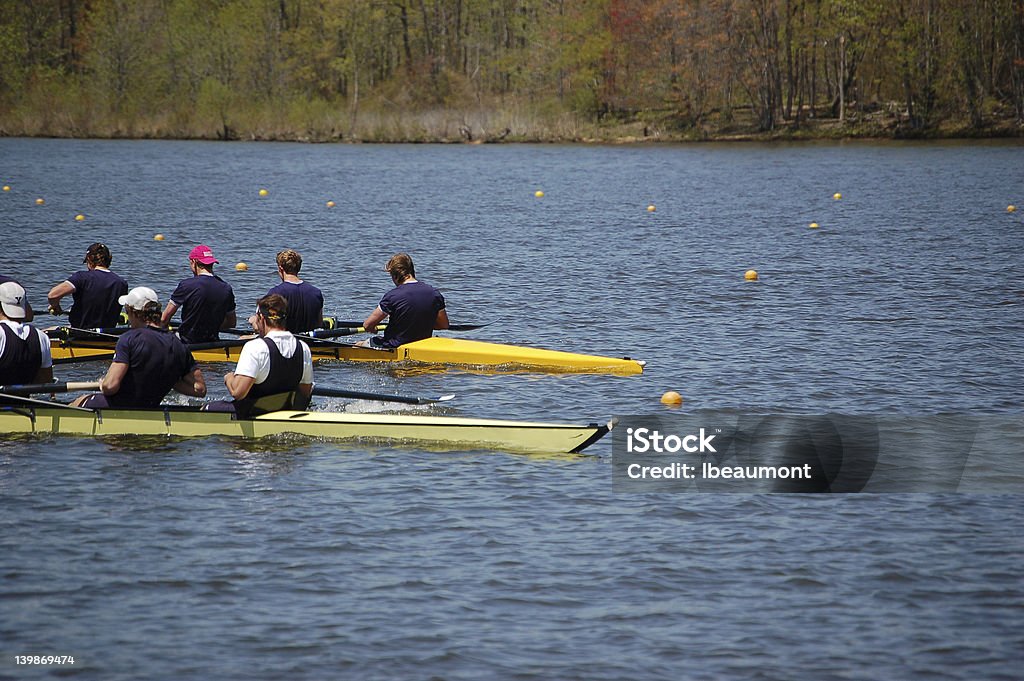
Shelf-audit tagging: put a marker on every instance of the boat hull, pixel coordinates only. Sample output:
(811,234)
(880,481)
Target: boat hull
(423,430)
(436,351)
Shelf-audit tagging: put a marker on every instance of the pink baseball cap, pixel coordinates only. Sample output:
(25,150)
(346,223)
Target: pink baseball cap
(203,254)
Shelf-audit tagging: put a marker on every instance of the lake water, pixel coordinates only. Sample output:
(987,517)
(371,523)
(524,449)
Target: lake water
(312,560)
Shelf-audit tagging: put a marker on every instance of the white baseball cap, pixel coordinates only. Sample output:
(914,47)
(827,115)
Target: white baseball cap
(139,297)
(12,298)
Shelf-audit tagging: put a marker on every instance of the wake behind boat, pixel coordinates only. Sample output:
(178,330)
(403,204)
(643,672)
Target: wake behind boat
(436,351)
(37,417)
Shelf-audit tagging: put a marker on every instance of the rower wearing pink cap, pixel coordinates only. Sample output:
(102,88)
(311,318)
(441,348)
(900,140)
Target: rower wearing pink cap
(207,302)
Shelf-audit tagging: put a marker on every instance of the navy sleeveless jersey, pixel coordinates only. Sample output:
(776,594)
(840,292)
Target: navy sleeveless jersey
(21,359)
(285,375)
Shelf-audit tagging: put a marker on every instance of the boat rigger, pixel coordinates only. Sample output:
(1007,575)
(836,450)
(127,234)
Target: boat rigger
(405,429)
(438,350)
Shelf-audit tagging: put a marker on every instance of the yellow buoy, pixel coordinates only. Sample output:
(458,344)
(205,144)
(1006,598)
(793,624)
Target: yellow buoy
(7,188)
(650,208)
(158,237)
(263,192)
(837,196)
(40,202)
(241,267)
(330,204)
(79,217)
(672,398)
(1011,208)
(750,275)
(539,194)
(813,225)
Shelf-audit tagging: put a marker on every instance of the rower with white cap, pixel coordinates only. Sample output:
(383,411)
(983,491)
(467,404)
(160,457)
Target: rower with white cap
(149,361)
(24,352)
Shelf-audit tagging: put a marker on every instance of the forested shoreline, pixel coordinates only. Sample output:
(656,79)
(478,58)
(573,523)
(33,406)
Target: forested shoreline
(511,70)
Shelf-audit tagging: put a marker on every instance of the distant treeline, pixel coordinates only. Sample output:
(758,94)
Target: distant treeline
(472,70)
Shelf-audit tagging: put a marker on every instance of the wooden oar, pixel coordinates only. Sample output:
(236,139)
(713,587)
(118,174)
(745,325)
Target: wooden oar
(357,395)
(33,388)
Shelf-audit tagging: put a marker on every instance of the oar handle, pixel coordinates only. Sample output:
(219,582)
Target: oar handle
(32,388)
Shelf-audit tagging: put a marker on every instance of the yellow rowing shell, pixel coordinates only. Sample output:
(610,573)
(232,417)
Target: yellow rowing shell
(404,429)
(431,351)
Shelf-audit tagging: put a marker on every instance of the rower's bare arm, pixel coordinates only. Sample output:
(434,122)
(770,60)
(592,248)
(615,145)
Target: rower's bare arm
(169,311)
(44,375)
(305,394)
(230,319)
(441,322)
(192,384)
(238,385)
(375,318)
(111,383)
(56,293)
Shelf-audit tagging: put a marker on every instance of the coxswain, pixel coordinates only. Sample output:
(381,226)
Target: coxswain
(207,302)
(305,301)
(413,308)
(24,351)
(274,371)
(149,361)
(94,292)
(29,314)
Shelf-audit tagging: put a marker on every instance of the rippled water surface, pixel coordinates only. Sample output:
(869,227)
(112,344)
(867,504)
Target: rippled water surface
(312,560)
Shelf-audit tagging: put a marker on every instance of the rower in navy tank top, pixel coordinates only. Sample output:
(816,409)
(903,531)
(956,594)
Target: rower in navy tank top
(207,302)
(24,351)
(305,301)
(94,292)
(275,364)
(413,309)
(149,361)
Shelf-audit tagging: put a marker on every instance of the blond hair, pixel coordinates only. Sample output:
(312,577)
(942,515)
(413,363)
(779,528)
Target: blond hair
(289,261)
(400,267)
